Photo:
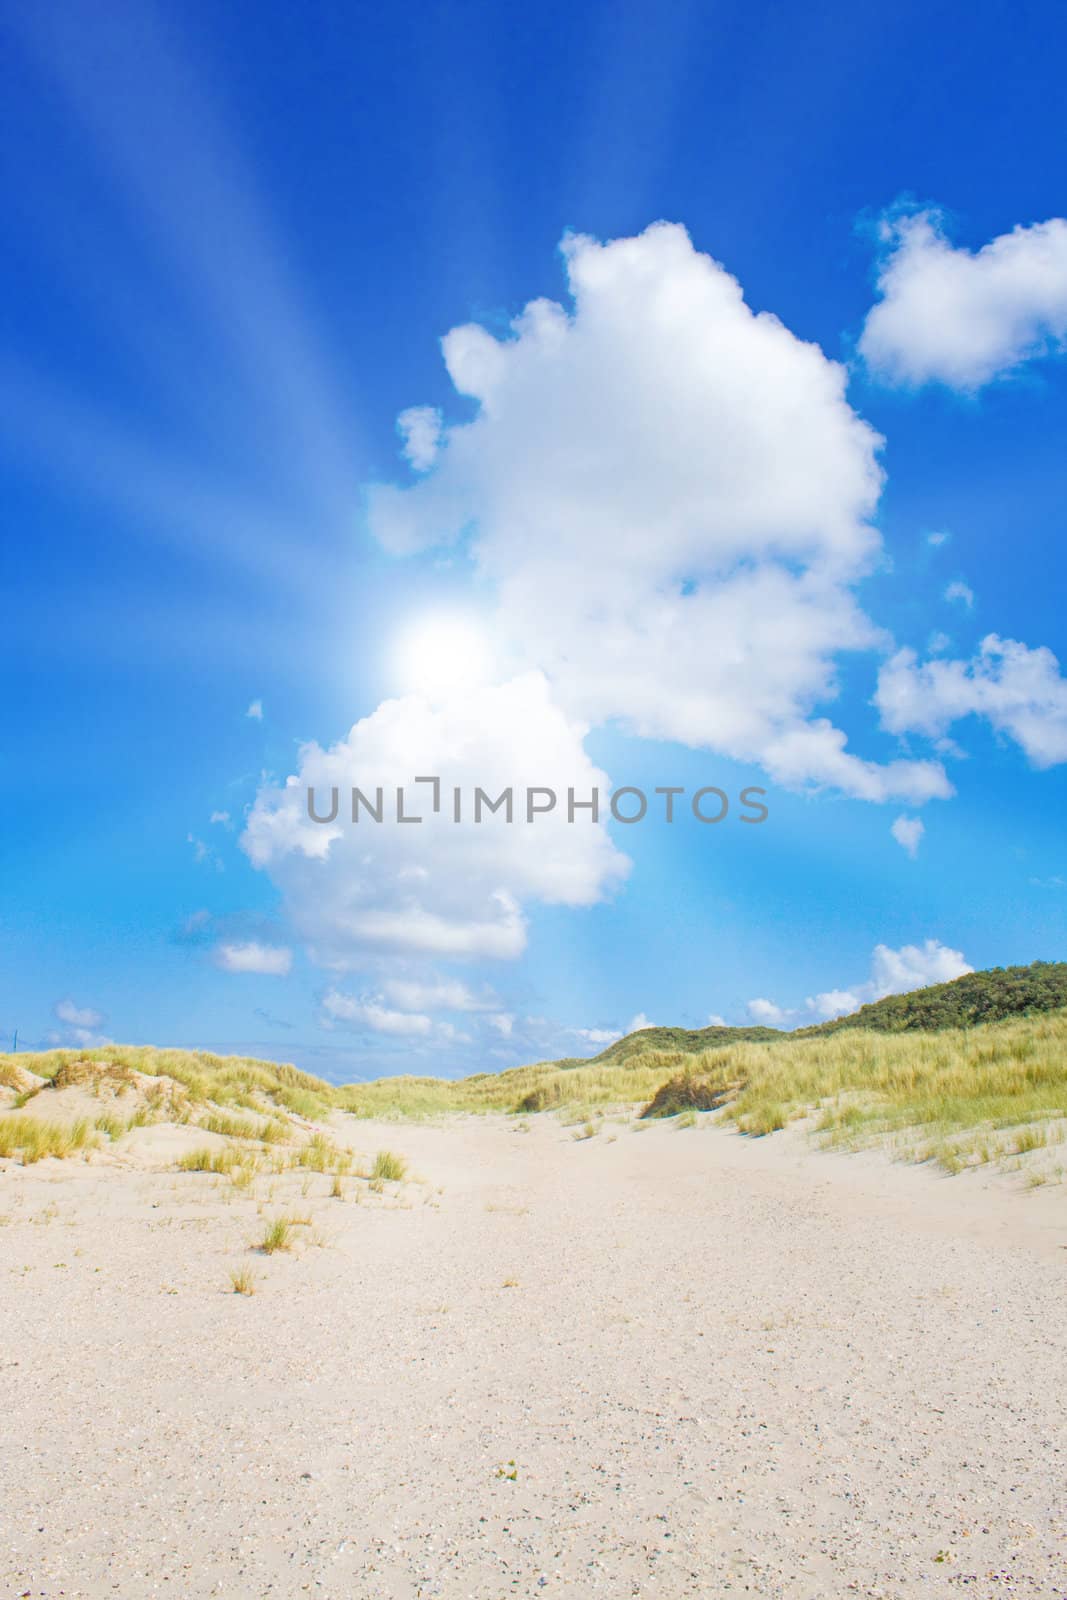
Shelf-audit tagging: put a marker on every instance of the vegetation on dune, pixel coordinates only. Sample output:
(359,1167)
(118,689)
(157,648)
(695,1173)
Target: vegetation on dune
(977,997)
(966,1066)
(32,1140)
(686,1041)
(932,1091)
(692,1091)
(241,1082)
(389,1167)
(964,1002)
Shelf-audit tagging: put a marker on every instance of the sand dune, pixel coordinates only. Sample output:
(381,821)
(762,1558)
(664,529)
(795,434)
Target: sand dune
(671,1363)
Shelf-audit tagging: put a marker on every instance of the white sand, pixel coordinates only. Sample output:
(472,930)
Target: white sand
(726,1367)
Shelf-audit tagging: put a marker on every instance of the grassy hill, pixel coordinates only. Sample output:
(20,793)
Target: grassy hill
(686,1040)
(987,996)
(977,997)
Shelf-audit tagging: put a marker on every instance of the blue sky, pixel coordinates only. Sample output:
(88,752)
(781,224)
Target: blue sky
(236,238)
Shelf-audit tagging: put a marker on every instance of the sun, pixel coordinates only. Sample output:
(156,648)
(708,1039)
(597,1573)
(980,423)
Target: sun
(439,655)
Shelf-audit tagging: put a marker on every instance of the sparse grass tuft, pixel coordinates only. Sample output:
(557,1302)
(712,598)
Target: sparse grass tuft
(389,1167)
(243,1281)
(277,1236)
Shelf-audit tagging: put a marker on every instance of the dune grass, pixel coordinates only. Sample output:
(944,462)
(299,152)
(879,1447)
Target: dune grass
(32,1139)
(389,1167)
(962,1095)
(958,1096)
(278,1235)
(239,1082)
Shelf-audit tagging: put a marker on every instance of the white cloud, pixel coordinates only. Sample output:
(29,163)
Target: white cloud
(221,817)
(601,1036)
(504,1023)
(892,972)
(962,592)
(437,888)
(78,1016)
(420,428)
(715,1021)
(255,711)
(273,960)
(705,465)
(767,1013)
(369,1012)
(959,317)
(438,994)
(1020,691)
(938,537)
(913,967)
(908,832)
(81,1025)
(834,1003)
(639,1023)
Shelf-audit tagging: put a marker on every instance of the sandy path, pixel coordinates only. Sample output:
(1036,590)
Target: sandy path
(725,1367)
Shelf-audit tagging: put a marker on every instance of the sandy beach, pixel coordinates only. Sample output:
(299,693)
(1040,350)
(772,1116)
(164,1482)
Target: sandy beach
(667,1362)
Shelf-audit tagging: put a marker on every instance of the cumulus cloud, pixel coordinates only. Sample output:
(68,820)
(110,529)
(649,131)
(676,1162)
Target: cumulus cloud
(715,1021)
(833,1003)
(766,1012)
(1020,691)
(438,994)
(705,465)
(961,317)
(908,832)
(639,1023)
(913,967)
(272,960)
(962,592)
(599,1036)
(892,972)
(369,1012)
(436,888)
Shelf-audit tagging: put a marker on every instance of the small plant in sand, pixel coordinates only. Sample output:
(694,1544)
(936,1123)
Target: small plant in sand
(588,1130)
(112,1125)
(242,1281)
(244,1176)
(278,1235)
(389,1167)
(337,1192)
